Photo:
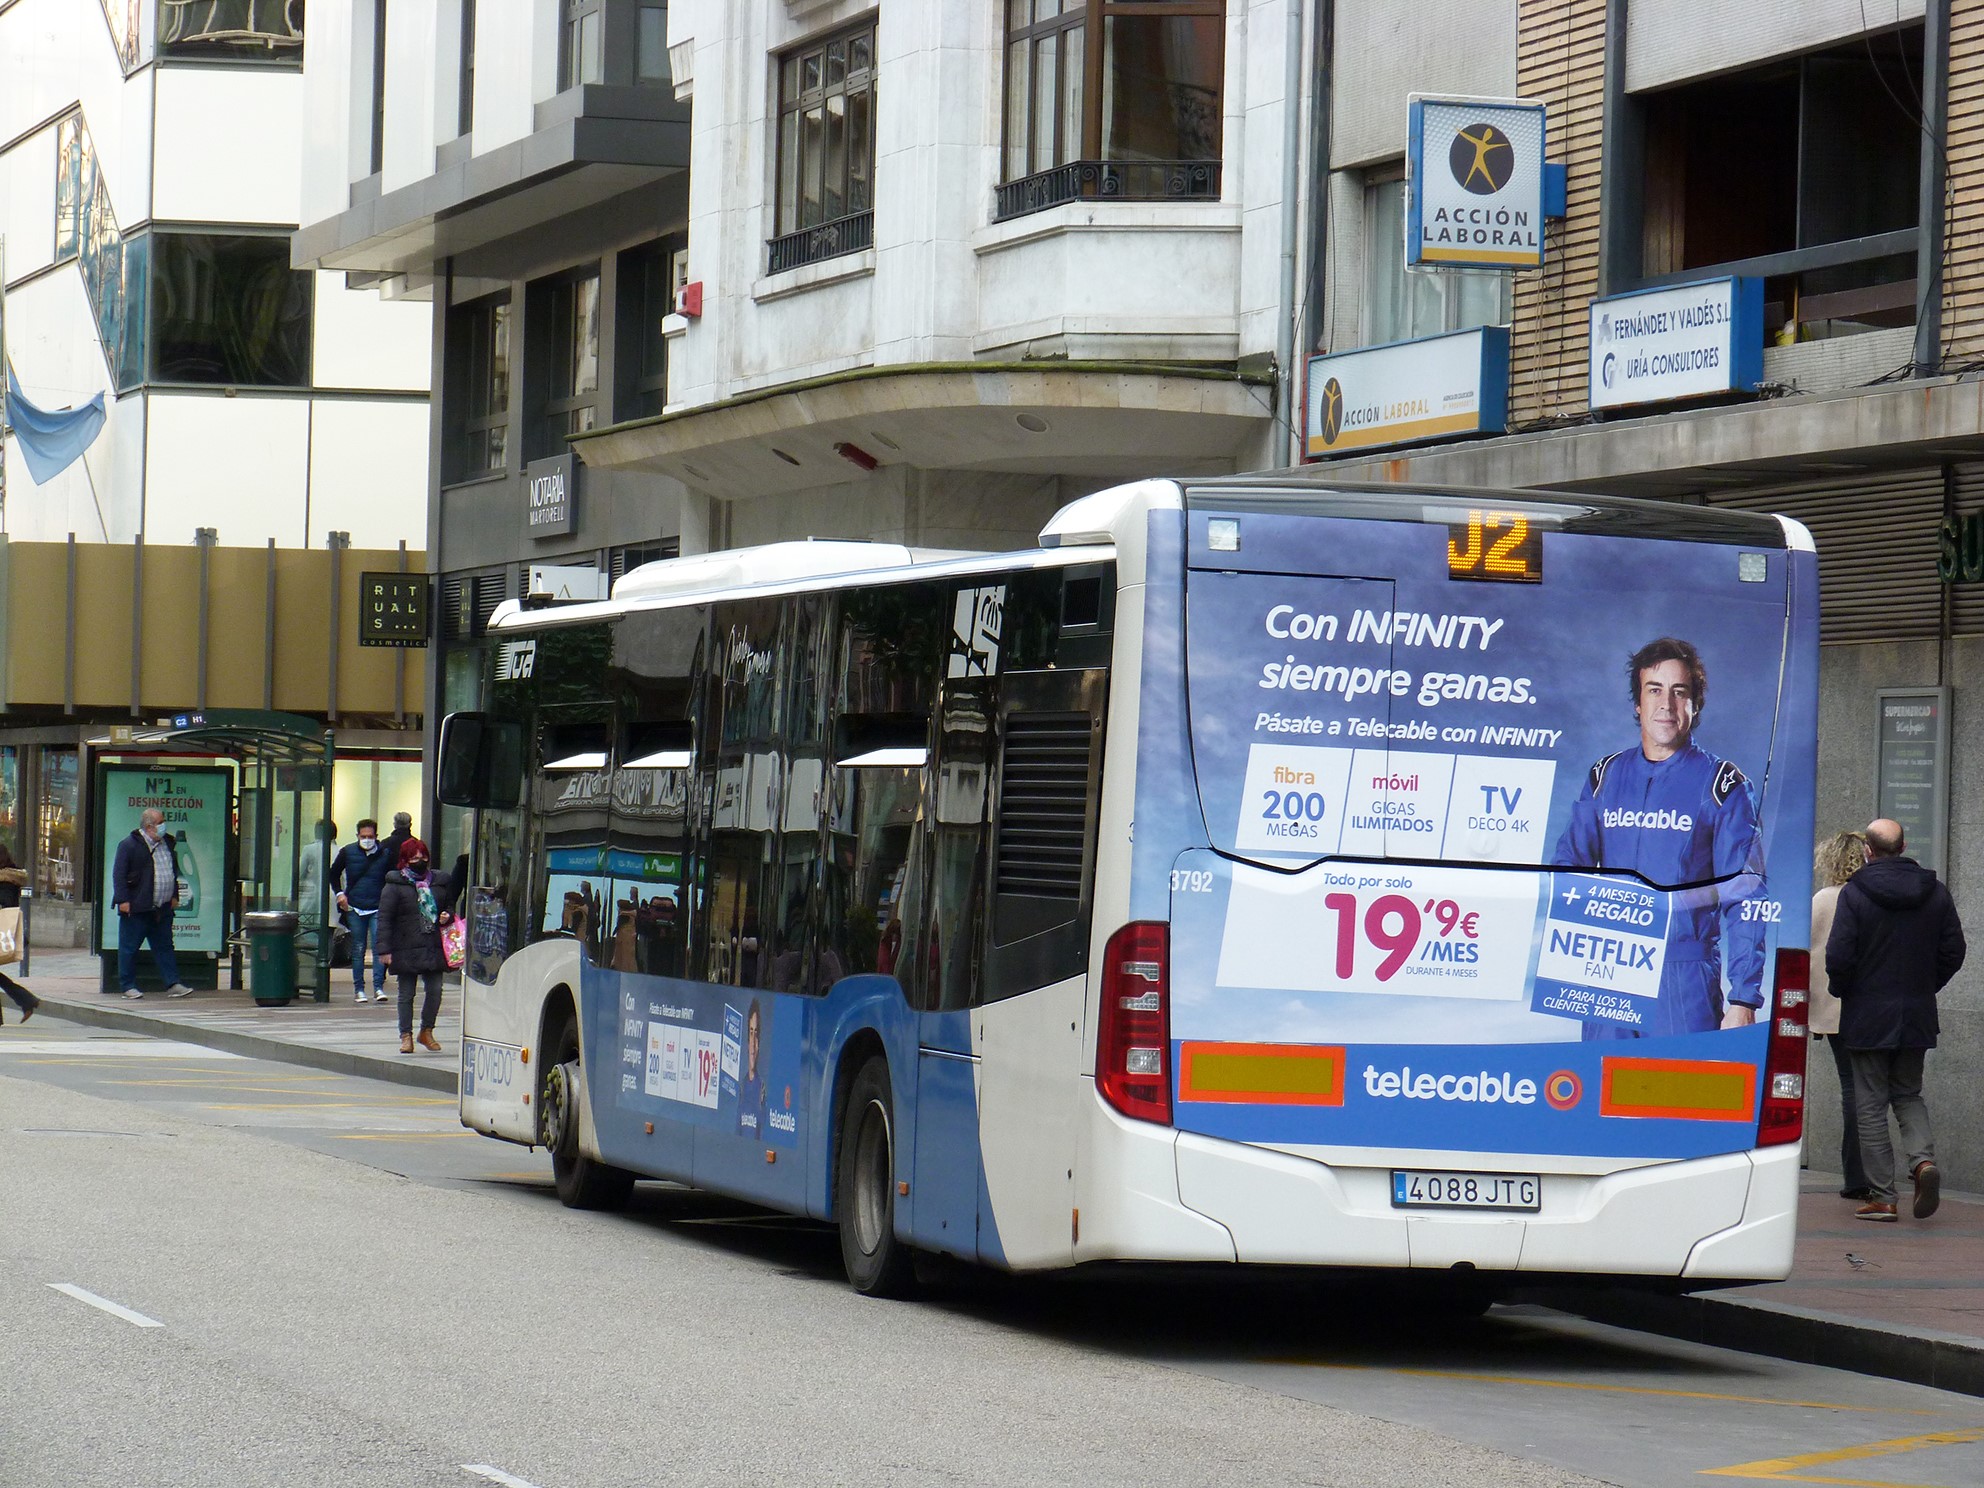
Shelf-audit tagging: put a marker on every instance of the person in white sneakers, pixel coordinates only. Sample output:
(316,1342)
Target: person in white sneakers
(144,880)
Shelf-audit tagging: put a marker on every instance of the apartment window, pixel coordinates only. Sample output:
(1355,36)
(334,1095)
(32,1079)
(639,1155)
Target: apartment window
(826,149)
(648,278)
(582,53)
(1111,98)
(1402,304)
(479,348)
(378,86)
(465,99)
(1820,200)
(231,30)
(229,309)
(651,44)
(573,388)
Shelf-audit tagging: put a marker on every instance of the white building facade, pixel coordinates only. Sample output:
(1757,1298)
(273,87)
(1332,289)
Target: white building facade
(951,265)
(150,179)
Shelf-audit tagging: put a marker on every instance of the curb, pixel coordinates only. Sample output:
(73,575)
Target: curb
(426,1076)
(1943,1361)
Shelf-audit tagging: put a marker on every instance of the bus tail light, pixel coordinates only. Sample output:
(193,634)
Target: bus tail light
(1133,1047)
(1784,1065)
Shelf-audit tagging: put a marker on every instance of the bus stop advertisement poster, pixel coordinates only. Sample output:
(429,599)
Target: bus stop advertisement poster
(1376,811)
(194,800)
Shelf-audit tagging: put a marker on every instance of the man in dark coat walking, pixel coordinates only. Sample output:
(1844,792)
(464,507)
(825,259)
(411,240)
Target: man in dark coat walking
(1896,941)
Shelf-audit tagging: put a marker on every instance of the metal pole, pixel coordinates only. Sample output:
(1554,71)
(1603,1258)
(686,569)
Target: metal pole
(27,937)
(69,636)
(137,624)
(399,665)
(338,542)
(205,537)
(1932,208)
(1291,211)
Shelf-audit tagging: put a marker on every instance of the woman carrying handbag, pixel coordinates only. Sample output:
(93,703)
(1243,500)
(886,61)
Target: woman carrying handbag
(414,910)
(13,878)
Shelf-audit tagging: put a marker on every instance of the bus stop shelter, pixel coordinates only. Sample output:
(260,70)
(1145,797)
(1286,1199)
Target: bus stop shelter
(246,795)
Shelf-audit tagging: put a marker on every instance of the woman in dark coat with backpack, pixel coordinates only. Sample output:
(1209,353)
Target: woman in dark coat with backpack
(414,905)
(13,878)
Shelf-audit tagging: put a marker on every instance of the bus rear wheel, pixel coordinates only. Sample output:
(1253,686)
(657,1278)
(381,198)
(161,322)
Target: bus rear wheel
(582,1182)
(878,1264)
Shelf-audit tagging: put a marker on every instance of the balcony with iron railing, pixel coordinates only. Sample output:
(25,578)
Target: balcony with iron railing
(849,234)
(1107,180)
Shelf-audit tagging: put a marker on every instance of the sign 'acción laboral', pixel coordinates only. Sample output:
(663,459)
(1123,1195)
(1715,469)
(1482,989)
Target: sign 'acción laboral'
(1474,183)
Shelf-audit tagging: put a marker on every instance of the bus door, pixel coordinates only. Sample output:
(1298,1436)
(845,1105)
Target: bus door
(942,979)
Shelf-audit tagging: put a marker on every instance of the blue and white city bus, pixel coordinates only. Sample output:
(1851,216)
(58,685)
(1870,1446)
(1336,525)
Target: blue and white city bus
(1260,870)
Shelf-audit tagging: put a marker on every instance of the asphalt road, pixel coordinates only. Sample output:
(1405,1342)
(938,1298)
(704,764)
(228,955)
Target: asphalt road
(347,1289)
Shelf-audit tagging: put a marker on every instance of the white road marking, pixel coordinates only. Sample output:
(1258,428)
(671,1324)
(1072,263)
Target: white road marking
(135,1319)
(496,1475)
(113,1049)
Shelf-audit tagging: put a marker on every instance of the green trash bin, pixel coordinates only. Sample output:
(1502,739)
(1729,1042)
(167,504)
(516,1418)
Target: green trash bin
(271,956)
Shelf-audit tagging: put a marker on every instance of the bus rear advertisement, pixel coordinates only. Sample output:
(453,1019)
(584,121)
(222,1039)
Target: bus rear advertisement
(1261,870)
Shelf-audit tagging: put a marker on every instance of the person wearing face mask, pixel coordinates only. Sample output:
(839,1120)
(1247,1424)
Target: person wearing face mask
(358,873)
(414,904)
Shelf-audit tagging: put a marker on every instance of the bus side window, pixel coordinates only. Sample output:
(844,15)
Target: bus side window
(870,912)
(655,660)
(953,946)
(739,774)
(875,814)
(803,745)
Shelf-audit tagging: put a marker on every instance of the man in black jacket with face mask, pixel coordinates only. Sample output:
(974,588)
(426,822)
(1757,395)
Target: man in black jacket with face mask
(1896,941)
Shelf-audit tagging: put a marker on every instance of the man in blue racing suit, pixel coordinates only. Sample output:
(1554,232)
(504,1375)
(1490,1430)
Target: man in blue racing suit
(1675,814)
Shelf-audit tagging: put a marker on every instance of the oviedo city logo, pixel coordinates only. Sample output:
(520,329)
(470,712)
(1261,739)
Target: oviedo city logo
(1482,159)
(1563,1090)
(1332,410)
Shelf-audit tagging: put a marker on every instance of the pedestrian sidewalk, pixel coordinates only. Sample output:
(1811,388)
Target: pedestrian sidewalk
(1903,1300)
(343,1036)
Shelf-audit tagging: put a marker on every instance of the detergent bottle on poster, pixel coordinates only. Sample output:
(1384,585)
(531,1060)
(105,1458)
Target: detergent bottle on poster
(189,879)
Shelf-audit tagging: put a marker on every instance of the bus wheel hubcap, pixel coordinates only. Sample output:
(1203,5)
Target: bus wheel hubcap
(871,1166)
(557,1099)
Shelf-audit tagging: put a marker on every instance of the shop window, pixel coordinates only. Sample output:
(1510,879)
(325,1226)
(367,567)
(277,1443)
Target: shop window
(648,277)
(1108,99)
(1402,304)
(56,851)
(477,389)
(571,321)
(826,149)
(582,49)
(1829,155)
(10,797)
(232,30)
(229,309)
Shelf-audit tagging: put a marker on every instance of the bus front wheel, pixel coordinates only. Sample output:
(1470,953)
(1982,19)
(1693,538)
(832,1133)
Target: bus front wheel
(582,1183)
(878,1264)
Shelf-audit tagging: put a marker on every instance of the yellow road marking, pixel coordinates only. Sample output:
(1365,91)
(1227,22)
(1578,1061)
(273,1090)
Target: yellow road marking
(1787,1469)
(1550,1384)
